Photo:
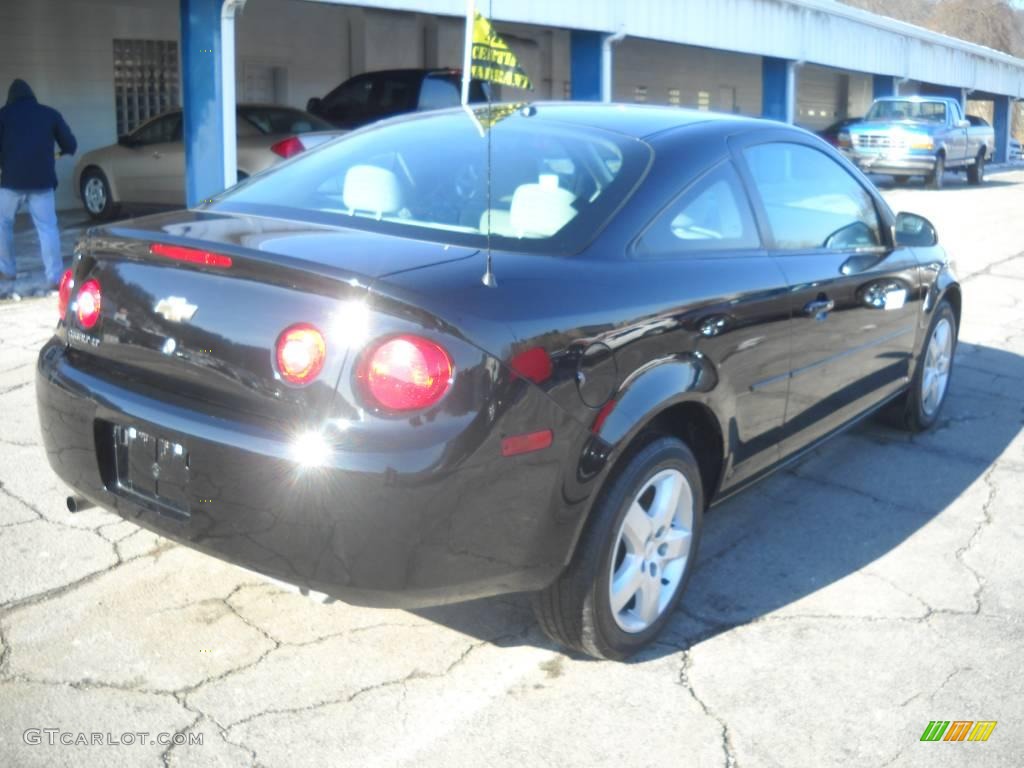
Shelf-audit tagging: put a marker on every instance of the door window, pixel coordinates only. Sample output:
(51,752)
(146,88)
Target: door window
(393,94)
(811,201)
(160,131)
(352,94)
(713,215)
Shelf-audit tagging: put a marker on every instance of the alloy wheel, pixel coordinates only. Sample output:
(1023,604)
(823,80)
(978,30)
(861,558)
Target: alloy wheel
(95,195)
(938,358)
(651,551)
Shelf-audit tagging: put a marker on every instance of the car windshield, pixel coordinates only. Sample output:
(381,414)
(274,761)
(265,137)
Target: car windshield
(923,111)
(282,120)
(551,186)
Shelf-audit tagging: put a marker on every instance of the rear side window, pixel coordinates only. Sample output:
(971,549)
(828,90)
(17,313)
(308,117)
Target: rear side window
(712,215)
(274,120)
(810,200)
(439,93)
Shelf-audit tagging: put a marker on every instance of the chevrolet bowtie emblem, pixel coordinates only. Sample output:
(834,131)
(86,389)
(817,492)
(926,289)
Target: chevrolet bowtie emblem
(175,309)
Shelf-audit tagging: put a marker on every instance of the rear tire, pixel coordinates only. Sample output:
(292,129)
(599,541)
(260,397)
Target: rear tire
(919,409)
(97,198)
(627,577)
(976,172)
(936,177)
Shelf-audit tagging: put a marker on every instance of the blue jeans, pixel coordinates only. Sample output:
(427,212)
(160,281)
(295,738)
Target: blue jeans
(44,215)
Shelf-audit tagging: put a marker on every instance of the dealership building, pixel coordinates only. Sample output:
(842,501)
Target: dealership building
(109,65)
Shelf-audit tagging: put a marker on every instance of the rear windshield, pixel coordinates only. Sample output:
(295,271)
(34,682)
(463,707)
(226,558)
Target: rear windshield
(550,189)
(925,111)
(282,120)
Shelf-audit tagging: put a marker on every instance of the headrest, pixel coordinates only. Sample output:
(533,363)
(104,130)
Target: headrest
(540,210)
(496,221)
(373,189)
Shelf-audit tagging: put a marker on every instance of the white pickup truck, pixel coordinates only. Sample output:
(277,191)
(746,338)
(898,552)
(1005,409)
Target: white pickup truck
(908,136)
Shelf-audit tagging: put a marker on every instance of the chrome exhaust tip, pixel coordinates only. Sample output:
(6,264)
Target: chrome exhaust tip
(78,503)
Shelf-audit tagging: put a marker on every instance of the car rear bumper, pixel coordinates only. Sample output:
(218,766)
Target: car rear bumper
(400,529)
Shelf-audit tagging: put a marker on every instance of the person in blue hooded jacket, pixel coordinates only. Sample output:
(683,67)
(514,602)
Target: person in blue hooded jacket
(28,131)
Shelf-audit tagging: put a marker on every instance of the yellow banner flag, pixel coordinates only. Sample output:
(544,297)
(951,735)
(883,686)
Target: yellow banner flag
(492,59)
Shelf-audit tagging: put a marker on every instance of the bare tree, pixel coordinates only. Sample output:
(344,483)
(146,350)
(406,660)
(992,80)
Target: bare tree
(993,23)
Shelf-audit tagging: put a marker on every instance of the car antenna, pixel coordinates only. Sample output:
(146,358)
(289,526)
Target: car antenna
(488,278)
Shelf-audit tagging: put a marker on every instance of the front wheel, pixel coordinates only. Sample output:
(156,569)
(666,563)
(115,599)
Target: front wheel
(937,177)
(976,172)
(924,400)
(634,558)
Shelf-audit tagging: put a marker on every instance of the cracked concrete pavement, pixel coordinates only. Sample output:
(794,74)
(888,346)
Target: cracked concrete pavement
(837,608)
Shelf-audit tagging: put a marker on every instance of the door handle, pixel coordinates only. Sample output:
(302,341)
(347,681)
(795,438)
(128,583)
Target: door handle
(820,307)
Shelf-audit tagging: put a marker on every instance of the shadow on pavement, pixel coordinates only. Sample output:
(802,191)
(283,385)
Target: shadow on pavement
(847,504)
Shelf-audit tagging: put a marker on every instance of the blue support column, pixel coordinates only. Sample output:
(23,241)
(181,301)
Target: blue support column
(202,101)
(777,86)
(585,65)
(1002,114)
(883,85)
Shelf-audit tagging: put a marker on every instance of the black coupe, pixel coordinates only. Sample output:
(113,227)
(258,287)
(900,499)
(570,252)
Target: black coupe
(380,372)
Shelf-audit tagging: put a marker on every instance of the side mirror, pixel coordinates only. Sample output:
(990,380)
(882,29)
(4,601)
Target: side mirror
(314,106)
(914,231)
(964,124)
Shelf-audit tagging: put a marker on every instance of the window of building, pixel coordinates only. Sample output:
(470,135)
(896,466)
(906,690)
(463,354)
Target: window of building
(673,97)
(640,94)
(704,100)
(146,81)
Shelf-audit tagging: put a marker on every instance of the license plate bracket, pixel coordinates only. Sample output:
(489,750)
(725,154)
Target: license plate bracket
(153,468)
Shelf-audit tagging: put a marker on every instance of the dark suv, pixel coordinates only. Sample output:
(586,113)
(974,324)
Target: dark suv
(375,95)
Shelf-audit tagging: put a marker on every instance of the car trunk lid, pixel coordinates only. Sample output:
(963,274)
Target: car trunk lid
(201,325)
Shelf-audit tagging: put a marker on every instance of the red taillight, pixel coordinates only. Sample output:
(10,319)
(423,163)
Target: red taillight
(288,147)
(191,255)
(405,373)
(89,303)
(300,353)
(67,281)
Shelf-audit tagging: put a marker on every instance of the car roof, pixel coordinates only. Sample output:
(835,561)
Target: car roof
(636,120)
(916,97)
(410,71)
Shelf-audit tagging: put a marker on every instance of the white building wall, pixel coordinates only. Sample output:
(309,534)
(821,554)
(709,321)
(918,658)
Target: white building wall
(309,42)
(651,71)
(817,31)
(64,49)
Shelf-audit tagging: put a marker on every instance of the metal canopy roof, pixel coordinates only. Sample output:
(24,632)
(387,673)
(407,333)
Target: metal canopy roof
(818,31)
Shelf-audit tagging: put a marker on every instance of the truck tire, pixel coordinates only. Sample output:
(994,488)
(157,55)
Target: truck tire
(976,172)
(935,178)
